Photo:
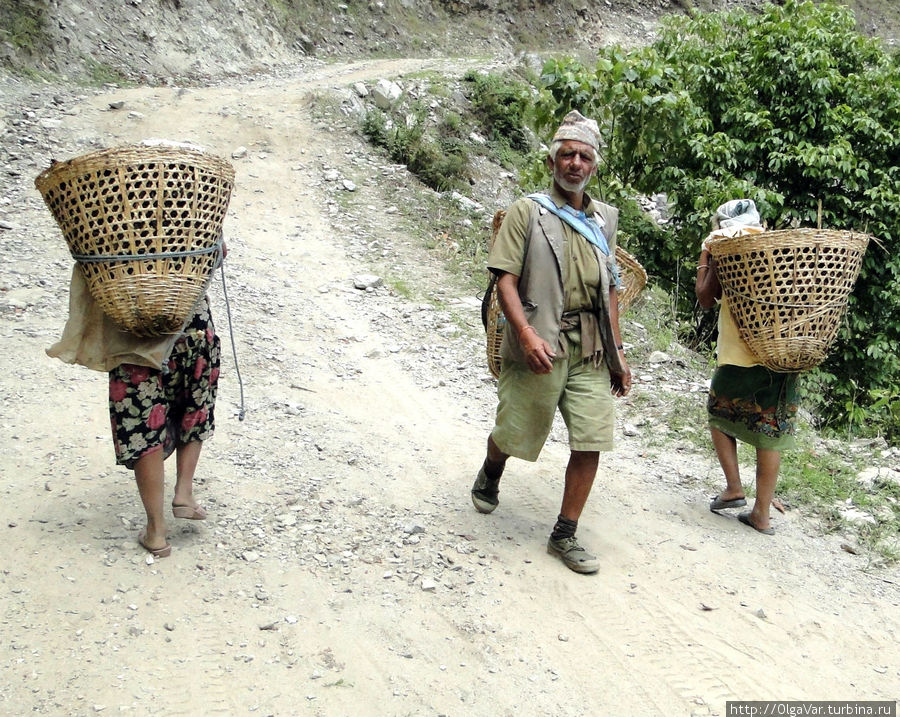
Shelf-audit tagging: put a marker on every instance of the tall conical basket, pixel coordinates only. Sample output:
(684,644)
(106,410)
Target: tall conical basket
(787,290)
(632,274)
(144,222)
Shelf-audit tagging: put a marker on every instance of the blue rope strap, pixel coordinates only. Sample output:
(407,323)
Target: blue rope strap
(95,258)
(587,226)
(237,370)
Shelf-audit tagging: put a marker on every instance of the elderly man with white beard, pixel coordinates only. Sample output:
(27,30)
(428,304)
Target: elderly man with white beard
(554,259)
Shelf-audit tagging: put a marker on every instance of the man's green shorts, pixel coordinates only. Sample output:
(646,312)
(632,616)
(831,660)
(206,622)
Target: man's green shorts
(528,403)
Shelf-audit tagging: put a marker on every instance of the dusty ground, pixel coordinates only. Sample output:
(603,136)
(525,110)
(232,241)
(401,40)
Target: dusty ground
(343,570)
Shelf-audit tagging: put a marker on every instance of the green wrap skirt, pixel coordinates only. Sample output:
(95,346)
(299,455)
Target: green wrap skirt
(754,405)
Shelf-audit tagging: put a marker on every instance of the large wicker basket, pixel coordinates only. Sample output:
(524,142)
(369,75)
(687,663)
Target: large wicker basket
(787,290)
(144,222)
(633,276)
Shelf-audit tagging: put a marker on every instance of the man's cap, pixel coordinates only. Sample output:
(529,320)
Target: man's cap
(578,127)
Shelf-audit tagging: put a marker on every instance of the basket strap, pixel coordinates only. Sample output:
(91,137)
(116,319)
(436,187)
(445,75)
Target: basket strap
(780,304)
(94,258)
(237,370)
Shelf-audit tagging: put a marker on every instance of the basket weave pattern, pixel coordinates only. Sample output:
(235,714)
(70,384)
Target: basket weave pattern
(632,274)
(787,290)
(164,203)
(496,321)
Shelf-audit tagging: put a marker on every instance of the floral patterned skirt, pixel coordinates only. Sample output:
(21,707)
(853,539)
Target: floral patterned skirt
(755,405)
(153,410)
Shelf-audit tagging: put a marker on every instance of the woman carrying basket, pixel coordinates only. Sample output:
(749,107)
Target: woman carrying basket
(154,413)
(747,401)
(162,396)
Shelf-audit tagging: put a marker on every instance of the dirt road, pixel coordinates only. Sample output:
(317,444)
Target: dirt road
(343,570)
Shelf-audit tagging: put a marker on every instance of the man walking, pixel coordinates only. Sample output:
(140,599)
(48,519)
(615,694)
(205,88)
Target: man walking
(554,258)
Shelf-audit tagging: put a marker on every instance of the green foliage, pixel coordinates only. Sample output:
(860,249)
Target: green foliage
(653,313)
(100,74)
(500,104)
(22,25)
(400,286)
(438,158)
(810,478)
(824,482)
(789,107)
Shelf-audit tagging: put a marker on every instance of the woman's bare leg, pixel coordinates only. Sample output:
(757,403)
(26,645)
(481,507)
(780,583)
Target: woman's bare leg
(186,458)
(726,450)
(149,474)
(767,464)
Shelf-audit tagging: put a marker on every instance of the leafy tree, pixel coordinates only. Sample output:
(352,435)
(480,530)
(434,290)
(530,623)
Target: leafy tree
(790,107)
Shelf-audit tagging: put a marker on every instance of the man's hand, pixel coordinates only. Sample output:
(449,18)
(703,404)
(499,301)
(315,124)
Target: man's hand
(620,383)
(538,353)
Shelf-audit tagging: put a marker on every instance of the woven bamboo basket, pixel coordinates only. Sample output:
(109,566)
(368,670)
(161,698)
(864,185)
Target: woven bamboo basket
(496,321)
(633,276)
(787,290)
(144,223)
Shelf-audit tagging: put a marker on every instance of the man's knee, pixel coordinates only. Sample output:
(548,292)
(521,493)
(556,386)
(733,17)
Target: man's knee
(584,462)
(585,455)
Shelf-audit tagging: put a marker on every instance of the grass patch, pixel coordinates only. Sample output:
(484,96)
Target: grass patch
(811,477)
(30,73)
(651,323)
(400,287)
(23,30)
(827,482)
(460,237)
(678,418)
(22,26)
(100,74)
(437,154)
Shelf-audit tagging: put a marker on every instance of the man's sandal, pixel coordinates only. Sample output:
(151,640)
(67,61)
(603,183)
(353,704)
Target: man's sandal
(573,555)
(484,493)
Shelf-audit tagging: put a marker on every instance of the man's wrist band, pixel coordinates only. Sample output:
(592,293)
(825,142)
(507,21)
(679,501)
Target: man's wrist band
(703,266)
(525,328)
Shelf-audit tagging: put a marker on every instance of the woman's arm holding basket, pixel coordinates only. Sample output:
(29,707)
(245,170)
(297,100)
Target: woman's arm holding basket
(707,286)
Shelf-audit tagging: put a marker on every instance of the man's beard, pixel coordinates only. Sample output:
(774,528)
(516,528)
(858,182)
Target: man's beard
(570,186)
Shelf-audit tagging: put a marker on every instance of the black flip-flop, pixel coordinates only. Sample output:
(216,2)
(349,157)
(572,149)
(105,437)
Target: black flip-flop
(745,519)
(718,504)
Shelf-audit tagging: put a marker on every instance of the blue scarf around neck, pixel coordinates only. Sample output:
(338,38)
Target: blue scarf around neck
(587,226)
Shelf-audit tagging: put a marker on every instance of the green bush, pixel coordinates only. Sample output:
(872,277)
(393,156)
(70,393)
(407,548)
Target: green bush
(22,25)
(440,162)
(500,104)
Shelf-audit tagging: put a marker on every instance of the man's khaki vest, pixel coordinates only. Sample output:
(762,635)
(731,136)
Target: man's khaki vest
(541,283)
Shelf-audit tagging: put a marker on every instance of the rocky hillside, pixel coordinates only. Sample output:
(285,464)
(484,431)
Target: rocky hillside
(157,40)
